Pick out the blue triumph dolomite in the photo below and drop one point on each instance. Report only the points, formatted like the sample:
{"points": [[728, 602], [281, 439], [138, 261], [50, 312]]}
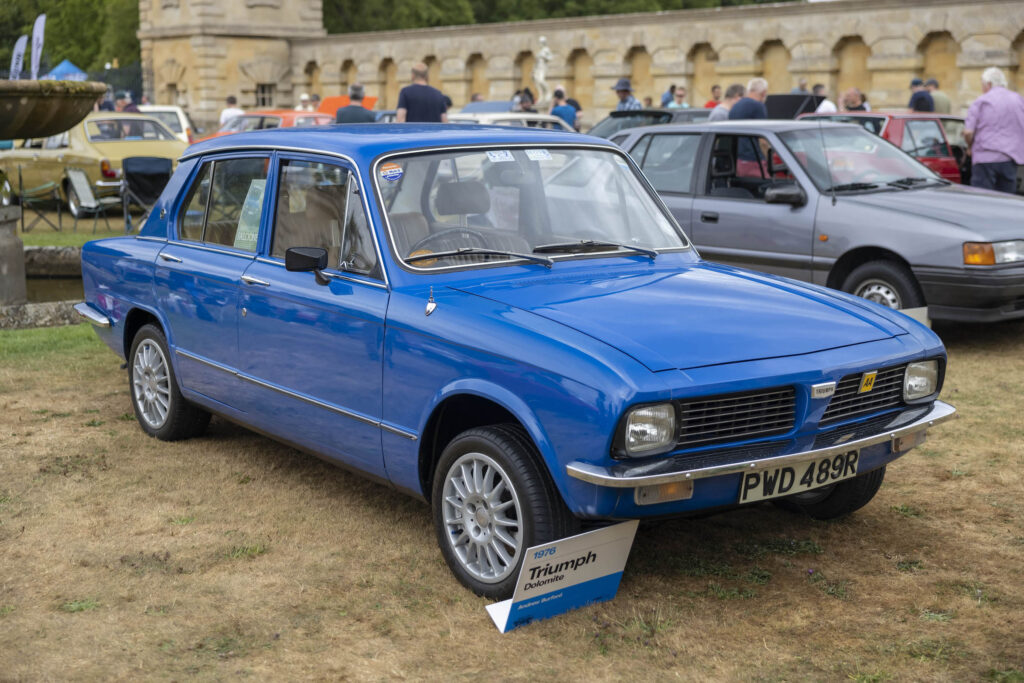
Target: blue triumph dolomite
{"points": [[506, 323]]}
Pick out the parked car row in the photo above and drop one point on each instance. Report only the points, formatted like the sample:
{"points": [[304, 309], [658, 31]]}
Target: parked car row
{"points": [[511, 325]]}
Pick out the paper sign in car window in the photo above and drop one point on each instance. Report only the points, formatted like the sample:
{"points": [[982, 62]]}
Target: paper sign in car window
{"points": [[538, 155], [496, 155], [249, 220]]}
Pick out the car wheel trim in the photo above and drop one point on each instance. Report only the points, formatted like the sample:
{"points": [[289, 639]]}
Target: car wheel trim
{"points": [[73, 201], [482, 515], [6, 193], [881, 292], [152, 383]]}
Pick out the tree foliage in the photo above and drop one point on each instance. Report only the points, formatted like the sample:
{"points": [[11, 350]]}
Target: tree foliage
{"points": [[87, 32]]}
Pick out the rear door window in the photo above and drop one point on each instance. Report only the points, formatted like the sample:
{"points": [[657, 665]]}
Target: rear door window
{"points": [[225, 203], [924, 138], [669, 160]]}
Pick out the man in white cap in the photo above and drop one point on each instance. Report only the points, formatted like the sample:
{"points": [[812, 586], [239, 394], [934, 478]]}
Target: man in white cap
{"points": [[303, 104], [626, 100]]}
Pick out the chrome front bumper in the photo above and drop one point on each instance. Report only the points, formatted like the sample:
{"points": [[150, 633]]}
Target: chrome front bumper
{"points": [[654, 474]]}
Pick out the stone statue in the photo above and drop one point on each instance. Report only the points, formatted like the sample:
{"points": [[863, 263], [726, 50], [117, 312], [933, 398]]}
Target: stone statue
{"points": [[540, 72]]}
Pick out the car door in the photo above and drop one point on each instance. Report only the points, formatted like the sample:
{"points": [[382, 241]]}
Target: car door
{"points": [[732, 223], [199, 273], [669, 160], [925, 140], [312, 347]]}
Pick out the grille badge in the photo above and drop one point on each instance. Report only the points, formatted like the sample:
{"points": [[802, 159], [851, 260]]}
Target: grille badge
{"points": [[823, 390], [867, 381]]}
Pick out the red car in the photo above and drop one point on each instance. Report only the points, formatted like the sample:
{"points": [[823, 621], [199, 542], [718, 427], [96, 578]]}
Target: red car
{"points": [[271, 118], [936, 140]]}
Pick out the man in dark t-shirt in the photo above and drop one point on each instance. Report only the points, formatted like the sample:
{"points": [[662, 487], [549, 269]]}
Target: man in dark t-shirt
{"points": [[355, 112], [921, 99], [420, 103], [751, 106]]}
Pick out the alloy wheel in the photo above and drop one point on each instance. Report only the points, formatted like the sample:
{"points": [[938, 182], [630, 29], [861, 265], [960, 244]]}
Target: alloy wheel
{"points": [[151, 383]]}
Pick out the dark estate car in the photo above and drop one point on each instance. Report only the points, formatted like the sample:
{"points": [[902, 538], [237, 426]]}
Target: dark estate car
{"points": [[835, 205], [506, 323], [619, 121]]}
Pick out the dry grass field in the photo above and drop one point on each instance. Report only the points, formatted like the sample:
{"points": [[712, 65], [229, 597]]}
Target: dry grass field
{"points": [[231, 556]]}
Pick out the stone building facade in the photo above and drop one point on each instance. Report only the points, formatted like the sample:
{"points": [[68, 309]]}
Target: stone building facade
{"points": [[196, 52]]}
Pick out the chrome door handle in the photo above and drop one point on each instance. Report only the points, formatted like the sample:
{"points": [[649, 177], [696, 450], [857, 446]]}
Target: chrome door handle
{"points": [[250, 280], [168, 257]]}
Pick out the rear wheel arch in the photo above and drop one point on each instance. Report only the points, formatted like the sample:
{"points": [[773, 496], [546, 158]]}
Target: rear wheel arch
{"points": [[855, 258], [134, 321]]}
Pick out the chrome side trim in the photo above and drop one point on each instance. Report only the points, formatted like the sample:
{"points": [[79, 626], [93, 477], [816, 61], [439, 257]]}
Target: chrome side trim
{"points": [[602, 476], [309, 400], [92, 315], [203, 247], [400, 432], [147, 238], [412, 436]]}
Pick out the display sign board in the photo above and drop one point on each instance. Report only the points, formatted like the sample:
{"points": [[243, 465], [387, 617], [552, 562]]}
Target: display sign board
{"points": [[567, 574]]}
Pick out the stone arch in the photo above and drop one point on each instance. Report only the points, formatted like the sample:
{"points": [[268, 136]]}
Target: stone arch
{"points": [[434, 72], [774, 59], [311, 74], [939, 52], [476, 75], [580, 80], [639, 62], [387, 76], [349, 75], [702, 60], [851, 57], [523, 71]]}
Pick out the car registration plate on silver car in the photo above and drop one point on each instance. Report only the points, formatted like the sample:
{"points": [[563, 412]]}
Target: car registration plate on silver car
{"points": [[790, 479]]}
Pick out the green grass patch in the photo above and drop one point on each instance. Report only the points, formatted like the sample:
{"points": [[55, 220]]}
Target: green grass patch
{"points": [[907, 510], [929, 649], [834, 588], [182, 521], [68, 238], [778, 546], [247, 551], [79, 605], [937, 615], [47, 341], [5, 610], [909, 566], [1004, 675]]}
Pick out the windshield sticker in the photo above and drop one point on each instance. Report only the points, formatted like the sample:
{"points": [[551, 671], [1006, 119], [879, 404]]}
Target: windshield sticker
{"points": [[496, 155], [391, 172], [538, 155]]}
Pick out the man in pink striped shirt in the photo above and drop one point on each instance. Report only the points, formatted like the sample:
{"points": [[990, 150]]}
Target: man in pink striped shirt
{"points": [[995, 132]]}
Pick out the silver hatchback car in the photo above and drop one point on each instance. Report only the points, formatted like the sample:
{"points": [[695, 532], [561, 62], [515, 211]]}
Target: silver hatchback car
{"points": [[834, 205]]}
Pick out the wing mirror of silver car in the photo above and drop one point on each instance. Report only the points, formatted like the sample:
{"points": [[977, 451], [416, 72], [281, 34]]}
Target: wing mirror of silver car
{"points": [[789, 193], [305, 259]]}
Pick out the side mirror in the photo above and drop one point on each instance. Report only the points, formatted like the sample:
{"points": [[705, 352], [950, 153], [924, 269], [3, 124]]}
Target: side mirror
{"points": [[305, 259], [790, 193]]}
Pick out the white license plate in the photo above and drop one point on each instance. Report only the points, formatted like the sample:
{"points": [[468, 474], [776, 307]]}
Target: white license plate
{"points": [[790, 479]]}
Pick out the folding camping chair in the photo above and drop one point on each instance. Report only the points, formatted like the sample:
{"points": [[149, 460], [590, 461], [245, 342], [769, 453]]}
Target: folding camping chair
{"points": [[34, 197], [142, 181], [88, 203]]}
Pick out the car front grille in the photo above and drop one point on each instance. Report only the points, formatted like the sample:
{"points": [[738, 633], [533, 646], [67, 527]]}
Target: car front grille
{"points": [[736, 417], [848, 403]]}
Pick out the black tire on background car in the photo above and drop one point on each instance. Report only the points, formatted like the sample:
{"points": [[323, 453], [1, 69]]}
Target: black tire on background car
{"points": [[159, 406], [838, 499], [491, 501], [885, 282]]}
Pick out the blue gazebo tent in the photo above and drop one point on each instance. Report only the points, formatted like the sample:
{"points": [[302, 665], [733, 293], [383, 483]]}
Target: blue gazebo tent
{"points": [[66, 71]]}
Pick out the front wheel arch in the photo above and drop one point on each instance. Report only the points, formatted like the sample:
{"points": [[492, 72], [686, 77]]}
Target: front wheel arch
{"points": [[855, 258]]}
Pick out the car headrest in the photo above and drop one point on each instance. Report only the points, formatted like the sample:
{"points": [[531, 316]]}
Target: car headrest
{"points": [[463, 198], [722, 166]]}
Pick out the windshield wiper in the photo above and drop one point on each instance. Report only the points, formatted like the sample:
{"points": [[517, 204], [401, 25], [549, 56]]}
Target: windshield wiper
{"points": [[587, 246], [911, 181], [846, 187], [470, 251]]}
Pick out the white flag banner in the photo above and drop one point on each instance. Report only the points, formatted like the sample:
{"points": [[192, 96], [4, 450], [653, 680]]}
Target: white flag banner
{"points": [[37, 44], [18, 58]]}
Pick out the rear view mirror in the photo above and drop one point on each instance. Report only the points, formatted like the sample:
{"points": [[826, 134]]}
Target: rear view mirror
{"points": [[790, 193], [305, 259]]}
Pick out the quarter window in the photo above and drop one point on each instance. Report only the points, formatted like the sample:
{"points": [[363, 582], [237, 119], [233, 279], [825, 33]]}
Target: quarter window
{"points": [[227, 209], [745, 167], [319, 205]]}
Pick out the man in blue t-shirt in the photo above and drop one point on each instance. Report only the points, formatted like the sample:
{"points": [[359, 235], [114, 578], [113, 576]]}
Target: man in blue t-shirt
{"points": [[751, 106], [921, 99], [419, 102], [562, 109]]}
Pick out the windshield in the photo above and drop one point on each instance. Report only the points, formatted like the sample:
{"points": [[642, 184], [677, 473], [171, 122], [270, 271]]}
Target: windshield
{"points": [[168, 118], [613, 124], [854, 157], [519, 202], [116, 129]]}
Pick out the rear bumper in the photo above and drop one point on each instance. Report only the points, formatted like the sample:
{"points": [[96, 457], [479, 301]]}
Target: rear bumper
{"points": [[978, 294], [907, 423]]}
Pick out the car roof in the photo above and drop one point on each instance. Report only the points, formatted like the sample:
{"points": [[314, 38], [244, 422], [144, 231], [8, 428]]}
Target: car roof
{"points": [[366, 141], [885, 114], [117, 115], [744, 126], [159, 107]]}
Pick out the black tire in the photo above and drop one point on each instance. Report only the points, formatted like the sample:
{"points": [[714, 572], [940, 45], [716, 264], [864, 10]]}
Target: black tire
{"points": [[540, 515], [885, 282], [839, 499], [151, 388]]}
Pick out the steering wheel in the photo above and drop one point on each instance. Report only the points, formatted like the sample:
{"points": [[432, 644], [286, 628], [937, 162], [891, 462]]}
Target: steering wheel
{"points": [[437, 236]]}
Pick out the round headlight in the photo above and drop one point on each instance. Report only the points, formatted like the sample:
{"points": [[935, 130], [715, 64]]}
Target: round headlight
{"points": [[650, 429], [920, 380]]}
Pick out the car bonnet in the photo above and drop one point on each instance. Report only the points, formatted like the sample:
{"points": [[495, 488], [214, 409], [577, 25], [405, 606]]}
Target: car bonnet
{"points": [[696, 316]]}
